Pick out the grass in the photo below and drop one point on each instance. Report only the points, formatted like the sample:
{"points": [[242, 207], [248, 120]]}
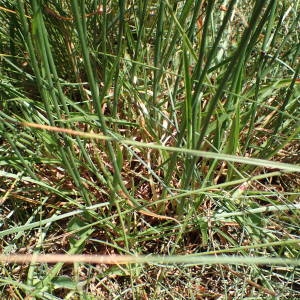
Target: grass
{"points": [[149, 149]]}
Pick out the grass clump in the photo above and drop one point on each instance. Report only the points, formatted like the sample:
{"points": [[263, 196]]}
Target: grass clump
{"points": [[160, 128]]}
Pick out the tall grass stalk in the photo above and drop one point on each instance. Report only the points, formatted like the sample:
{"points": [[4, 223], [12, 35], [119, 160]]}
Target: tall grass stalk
{"points": [[150, 129]]}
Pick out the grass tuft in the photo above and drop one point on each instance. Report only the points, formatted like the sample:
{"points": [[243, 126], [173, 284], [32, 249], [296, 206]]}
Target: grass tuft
{"points": [[149, 149]]}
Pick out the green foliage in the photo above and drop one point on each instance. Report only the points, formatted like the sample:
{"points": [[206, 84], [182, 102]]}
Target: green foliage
{"points": [[192, 110]]}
